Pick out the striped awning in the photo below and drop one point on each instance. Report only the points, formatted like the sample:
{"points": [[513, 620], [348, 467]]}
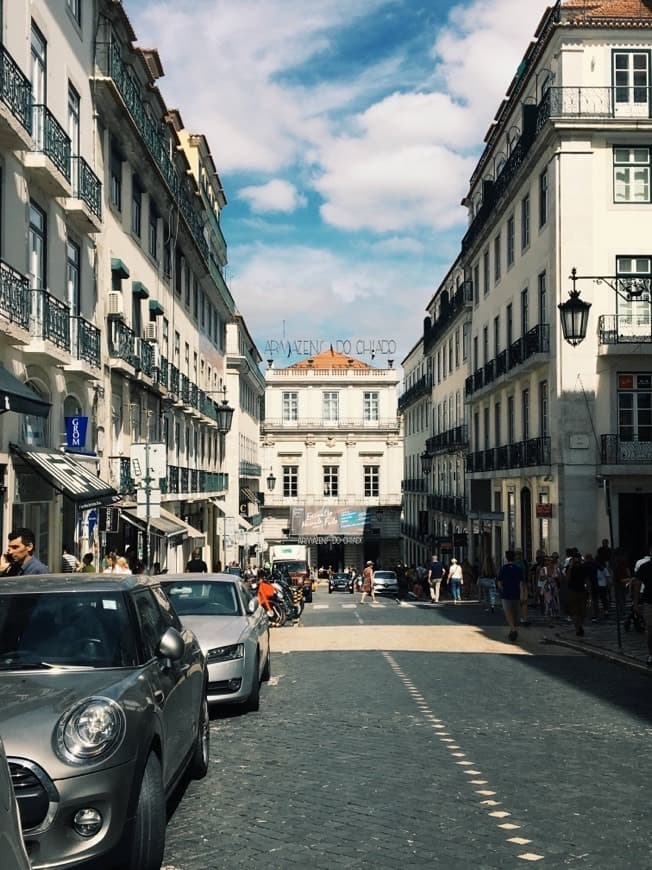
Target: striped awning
{"points": [[68, 476]]}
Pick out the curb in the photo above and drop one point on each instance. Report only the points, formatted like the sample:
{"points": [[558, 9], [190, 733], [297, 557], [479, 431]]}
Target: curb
{"points": [[600, 653]]}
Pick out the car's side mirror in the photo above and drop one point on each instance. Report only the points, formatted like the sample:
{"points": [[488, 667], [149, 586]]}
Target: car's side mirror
{"points": [[253, 605], [171, 645]]}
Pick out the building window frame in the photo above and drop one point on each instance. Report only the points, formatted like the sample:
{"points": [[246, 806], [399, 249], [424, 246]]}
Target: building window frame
{"points": [[631, 172], [290, 481], [331, 480], [371, 481], [290, 406]]}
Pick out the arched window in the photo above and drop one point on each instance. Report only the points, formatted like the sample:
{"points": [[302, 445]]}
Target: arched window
{"points": [[36, 430]]}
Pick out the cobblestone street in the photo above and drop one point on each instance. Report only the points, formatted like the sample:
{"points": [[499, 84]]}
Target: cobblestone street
{"points": [[406, 736]]}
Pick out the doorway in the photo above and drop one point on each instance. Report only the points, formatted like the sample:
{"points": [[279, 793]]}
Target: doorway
{"points": [[526, 523]]}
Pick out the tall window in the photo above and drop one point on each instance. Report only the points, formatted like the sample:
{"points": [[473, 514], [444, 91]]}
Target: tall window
{"points": [[543, 298], [509, 337], [331, 481], [635, 407], [73, 121], [450, 354], [525, 413], [496, 335], [330, 407], [136, 207], [511, 240], [115, 175], [39, 79], [485, 345], [37, 246], [457, 348], [543, 198], [186, 283], [166, 337], [371, 407], [177, 348], [152, 231], [525, 222], [633, 313], [511, 420], [485, 272], [497, 425], [290, 407], [167, 252], [486, 427], [466, 331], [631, 174], [371, 480], [543, 408], [75, 9], [476, 283], [525, 312], [631, 81], [73, 261], [497, 259], [476, 361], [290, 481]]}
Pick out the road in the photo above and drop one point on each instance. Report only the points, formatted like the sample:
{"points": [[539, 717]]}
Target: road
{"points": [[408, 737]]}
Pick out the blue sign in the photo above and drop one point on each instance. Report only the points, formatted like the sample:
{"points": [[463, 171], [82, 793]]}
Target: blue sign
{"points": [[92, 522], [76, 428]]}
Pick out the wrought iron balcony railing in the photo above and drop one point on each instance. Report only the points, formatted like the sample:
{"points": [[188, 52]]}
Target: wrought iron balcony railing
{"points": [[413, 484], [146, 357], [619, 450], [50, 138], [14, 295], [390, 423], [589, 103], [448, 504], [462, 298], [536, 340], [174, 379], [421, 388], [86, 185], [625, 328], [122, 342], [127, 484], [162, 372], [50, 319], [451, 439], [520, 454], [85, 341], [250, 469], [15, 90]]}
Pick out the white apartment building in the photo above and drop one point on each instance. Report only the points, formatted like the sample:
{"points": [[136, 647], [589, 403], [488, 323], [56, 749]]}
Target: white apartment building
{"points": [[333, 448], [561, 436], [113, 303]]}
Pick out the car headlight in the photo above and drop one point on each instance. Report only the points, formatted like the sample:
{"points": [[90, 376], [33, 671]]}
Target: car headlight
{"points": [[90, 731], [225, 653]]}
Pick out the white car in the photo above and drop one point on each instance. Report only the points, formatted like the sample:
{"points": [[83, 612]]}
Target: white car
{"points": [[386, 581], [232, 629]]}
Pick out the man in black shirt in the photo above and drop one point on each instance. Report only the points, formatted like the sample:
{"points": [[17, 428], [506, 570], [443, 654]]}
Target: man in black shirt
{"points": [[642, 592], [197, 565]]}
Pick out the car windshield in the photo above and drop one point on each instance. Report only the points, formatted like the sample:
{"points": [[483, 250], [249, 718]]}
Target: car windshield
{"points": [[340, 576], [384, 575], [67, 629], [201, 598], [290, 567]]}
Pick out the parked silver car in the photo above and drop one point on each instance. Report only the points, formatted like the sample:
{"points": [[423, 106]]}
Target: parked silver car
{"points": [[103, 711], [386, 581], [233, 631], [12, 848]]}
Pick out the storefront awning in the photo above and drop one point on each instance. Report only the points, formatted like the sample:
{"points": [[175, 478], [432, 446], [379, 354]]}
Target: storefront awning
{"points": [[164, 526], [244, 524], [68, 476], [16, 396], [247, 494], [218, 505]]}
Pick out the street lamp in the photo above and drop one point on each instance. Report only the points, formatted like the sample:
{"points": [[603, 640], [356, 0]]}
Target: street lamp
{"points": [[271, 480], [574, 312], [426, 462], [224, 415]]}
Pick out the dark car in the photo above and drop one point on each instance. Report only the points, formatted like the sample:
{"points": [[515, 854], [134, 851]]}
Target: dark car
{"points": [[103, 712], [340, 581]]}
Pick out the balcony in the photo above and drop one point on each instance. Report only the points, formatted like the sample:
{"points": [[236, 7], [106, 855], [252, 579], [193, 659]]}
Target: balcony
{"points": [[250, 469], [452, 505], [460, 300], [161, 373], [49, 163], [14, 305], [413, 484], [150, 131], [620, 451], [521, 353], [521, 454], [146, 357], [618, 332], [126, 483], [49, 326], [122, 346], [451, 440], [421, 388], [84, 208], [174, 380], [594, 104], [15, 105], [85, 347], [391, 424]]}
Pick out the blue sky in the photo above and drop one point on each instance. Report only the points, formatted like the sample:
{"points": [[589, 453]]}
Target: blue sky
{"points": [[345, 133]]}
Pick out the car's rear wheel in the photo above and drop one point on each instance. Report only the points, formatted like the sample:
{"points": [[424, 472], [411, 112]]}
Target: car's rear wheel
{"points": [[148, 836], [200, 759]]}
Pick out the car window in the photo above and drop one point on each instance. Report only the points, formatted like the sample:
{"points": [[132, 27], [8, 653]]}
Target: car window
{"points": [[152, 622], [167, 610], [81, 629], [203, 598]]}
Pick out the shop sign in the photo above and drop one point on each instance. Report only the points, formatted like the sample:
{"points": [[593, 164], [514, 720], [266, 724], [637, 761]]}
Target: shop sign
{"points": [[543, 511]]}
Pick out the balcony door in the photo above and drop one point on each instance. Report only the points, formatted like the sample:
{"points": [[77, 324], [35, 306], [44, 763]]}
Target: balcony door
{"points": [[633, 314], [631, 84], [38, 77]]}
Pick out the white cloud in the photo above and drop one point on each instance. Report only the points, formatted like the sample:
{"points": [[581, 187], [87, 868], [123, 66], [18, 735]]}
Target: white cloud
{"points": [[275, 196], [398, 245]]}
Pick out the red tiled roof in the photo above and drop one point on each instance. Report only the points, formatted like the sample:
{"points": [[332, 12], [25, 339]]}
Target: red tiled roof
{"points": [[601, 9], [330, 359]]}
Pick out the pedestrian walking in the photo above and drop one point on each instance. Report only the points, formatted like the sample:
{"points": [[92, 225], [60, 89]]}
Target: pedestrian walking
{"points": [[510, 581], [642, 594], [551, 590], [456, 579], [19, 557], [196, 565], [487, 584], [525, 588], [69, 563], [368, 583], [436, 573], [577, 592]]}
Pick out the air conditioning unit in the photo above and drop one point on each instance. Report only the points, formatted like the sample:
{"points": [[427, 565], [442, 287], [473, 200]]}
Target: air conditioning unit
{"points": [[150, 331], [116, 304]]}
